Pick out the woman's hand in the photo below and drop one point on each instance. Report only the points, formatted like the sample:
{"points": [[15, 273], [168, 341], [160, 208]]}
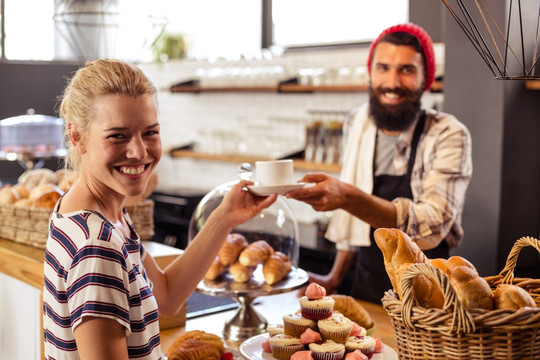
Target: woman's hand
{"points": [[240, 205]]}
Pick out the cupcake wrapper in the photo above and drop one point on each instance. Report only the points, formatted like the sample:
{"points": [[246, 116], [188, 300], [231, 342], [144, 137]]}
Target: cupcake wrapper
{"points": [[316, 314], [296, 330], [284, 352], [337, 336], [328, 356]]}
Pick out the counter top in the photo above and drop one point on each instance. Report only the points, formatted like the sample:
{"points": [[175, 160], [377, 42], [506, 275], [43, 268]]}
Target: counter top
{"points": [[25, 263]]}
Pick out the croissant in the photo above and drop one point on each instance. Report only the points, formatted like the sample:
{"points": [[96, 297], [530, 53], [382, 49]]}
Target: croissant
{"points": [[215, 270], [353, 310], [276, 267], [207, 338], [231, 249], [241, 273], [256, 253], [192, 349]]}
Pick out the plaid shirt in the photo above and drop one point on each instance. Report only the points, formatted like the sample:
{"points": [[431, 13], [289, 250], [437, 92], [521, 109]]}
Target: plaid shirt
{"points": [[439, 180]]}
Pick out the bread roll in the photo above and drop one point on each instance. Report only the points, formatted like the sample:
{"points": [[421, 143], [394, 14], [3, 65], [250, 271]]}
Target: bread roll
{"points": [[33, 178], [208, 338], [11, 194], [45, 195], [439, 263], [456, 261], [472, 290], [196, 345], [231, 249], [215, 270], [256, 253], [353, 310], [241, 273], [276, 267], [513, 297]]}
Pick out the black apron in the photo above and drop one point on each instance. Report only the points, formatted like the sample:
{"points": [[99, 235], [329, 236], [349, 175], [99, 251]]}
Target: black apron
{"points": [[370, 279]]}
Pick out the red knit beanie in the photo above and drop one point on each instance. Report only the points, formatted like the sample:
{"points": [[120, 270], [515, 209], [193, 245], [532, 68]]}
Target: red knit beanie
{"points": [[425, 42]]}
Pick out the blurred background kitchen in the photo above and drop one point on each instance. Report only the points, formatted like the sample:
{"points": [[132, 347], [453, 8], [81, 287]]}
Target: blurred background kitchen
{"points": [[243, 80]]}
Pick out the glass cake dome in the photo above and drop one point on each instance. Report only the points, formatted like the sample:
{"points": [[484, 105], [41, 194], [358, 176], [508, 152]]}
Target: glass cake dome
{"points": [[275, 224]]}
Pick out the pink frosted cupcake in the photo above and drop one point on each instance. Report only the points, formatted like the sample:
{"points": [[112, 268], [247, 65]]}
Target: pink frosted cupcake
{"points": [[366, 344], [315, 304], [336, 328], [295, 324], [283, 346], [327, 350], [309, 336]]}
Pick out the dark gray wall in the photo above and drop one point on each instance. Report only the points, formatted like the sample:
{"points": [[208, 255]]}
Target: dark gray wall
{"points": [[503, 199]]}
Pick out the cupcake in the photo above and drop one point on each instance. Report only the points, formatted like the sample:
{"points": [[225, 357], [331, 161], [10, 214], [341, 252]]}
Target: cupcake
{"points": [[283, 346], [327, 350], [309, 336], [274, 329], [358, 330], [315, 304], [295, 324], [366, 344], [336, 328]]}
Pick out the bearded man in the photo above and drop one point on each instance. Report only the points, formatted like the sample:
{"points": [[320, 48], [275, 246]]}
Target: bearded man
{"points": [[404, 167]]}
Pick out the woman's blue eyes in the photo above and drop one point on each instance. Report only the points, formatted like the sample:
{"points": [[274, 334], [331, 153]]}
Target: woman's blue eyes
{"points": [[122, 136]]}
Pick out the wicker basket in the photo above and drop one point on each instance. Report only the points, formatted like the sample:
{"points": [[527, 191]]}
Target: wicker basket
{"points": [[29, 225], [457, 333]]}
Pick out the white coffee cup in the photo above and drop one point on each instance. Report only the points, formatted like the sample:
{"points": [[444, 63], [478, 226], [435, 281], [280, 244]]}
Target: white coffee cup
{"points": [[274, 172]]}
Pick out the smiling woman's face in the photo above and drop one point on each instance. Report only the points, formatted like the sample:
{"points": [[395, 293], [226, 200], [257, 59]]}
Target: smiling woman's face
{"points": [[123, 144]]}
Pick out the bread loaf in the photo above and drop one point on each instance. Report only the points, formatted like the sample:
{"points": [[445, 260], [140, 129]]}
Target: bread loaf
{"points": [[399, 252], [456, 261], [195, 345], [513, 297], [472, 290], [255, 253], [352, 309], [231, 249], [276, 267]]}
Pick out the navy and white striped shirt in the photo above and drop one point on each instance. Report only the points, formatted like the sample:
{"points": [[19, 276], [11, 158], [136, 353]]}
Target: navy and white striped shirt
{"points": [[91, 269]]}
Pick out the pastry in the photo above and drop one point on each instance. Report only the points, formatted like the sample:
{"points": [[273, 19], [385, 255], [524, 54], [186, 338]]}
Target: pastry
{"points": [[366, 344], [336, 328], [327, 350], [255, 253], [315, 304], [352, 309], [509, 296], [45, 195], [472, 290], [215, 270], [276, 267], [231, 249], [295, 324], [32, 178], [192, 349], [283, 346], [241, 273], [11, 194], [207, 338]]}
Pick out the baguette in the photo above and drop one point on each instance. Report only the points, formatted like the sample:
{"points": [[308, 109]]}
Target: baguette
{"points": [[276, 267], [255, 253], [231, 249]]}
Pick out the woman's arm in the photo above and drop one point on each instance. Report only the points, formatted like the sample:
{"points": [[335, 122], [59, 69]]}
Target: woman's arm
{"points": [[100, 338]]}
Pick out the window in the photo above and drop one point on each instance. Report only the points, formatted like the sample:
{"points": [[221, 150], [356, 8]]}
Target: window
{"points": [[213, 28], [322, 22]]}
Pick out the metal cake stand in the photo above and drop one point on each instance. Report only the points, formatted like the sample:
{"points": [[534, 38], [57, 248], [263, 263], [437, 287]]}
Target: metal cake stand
{"points": [[247, 322]]}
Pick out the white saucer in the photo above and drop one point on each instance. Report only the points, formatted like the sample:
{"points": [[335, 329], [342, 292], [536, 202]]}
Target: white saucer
{"points": [[262, 190]]}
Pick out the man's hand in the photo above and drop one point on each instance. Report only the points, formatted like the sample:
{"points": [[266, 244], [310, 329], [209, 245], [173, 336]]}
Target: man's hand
{"points": [[328, 193]]}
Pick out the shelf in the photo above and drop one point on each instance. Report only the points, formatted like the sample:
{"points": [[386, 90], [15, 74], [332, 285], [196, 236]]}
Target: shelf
{"points": [[298, 163], [192, 86], [532, 84]]}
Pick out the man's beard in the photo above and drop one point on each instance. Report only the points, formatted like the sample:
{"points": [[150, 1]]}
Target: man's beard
{"points": [[394, 117]]}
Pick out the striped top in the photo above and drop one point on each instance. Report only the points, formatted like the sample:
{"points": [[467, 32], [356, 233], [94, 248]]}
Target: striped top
{"points": [[92, 269]]}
